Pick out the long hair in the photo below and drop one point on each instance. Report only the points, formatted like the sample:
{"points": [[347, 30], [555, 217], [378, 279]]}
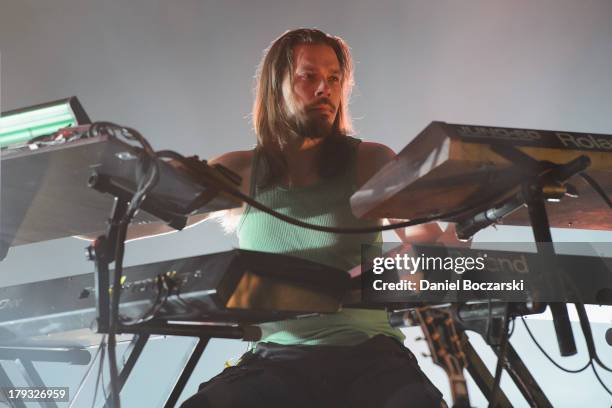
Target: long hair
{"points": [[271, 122]]}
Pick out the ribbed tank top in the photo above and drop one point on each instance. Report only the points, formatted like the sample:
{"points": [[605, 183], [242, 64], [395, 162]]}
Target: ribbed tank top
{"points": [[323, 203]]}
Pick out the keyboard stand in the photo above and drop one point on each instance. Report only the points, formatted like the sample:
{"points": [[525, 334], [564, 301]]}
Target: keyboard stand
{"points": [[24, 358]]}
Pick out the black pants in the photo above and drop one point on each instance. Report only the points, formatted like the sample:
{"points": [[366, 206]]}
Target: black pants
{"points": [[379, 373]]}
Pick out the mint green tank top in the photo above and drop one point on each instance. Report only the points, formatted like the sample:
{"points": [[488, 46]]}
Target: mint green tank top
{"points": [[324, 203]]}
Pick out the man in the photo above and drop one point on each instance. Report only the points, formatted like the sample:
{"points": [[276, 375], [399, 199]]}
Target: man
{"points": [[305, 165]]}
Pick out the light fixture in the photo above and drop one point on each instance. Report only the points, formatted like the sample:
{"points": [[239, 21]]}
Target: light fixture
{"points": [[19, 126]]}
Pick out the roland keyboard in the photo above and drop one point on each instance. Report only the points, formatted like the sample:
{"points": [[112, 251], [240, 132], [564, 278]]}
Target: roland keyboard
{"points": [[448, 167]]}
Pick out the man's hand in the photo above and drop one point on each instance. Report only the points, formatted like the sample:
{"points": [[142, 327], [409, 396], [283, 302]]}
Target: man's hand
{"points": [[419, 233], [449, 237]]}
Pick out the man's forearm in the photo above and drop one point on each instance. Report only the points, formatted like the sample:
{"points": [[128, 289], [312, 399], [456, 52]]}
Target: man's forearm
{"points": [[139, 231]]}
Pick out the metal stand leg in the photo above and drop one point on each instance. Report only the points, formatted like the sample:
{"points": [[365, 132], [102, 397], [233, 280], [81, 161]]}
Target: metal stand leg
{"points": [[543, 238], [523, 379], [186, 373], [482, 377], [33, 379], [99, 357], [136, 345], [23, 358], [55, 355], [6, 382]]}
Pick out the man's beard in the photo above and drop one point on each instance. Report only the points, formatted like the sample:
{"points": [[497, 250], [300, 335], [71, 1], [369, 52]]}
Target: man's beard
{"points": [[313, 126], [310, 123]]}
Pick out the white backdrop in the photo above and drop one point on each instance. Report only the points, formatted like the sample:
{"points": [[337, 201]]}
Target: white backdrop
{"points": [[182, 73]]}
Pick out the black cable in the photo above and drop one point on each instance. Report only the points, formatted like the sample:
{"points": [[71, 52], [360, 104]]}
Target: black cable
{"points": [[100, 369], [255, 204], [114, 315], [154, 175], [600, 380], [149, 163], [153, 309], [595, 186], [582, 315], [134, 135], [150, 167], [512, 319], [164, 280], [335, 230], [187, 305], [165, 285], [585, 326], [191, 306], [147, 180], [501, 356], [451, 214], [104, 386], [588, 336], [86, 375], [567, 370], [137, 199]]}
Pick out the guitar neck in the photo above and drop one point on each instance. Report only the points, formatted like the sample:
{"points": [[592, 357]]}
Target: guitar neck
{"points": [[457, 382]]}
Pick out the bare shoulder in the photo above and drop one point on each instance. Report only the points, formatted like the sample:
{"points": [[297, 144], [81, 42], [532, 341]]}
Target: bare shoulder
{"points": [[375, 150], [371, 157], [238, 161]]}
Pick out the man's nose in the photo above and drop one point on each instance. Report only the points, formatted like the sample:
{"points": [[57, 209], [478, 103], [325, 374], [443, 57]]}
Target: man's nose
{"points": [[323, 89]]}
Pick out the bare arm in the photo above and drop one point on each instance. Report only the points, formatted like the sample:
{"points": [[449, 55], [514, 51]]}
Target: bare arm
{"points": [[139, 231], [372, 158], [238, 162]]}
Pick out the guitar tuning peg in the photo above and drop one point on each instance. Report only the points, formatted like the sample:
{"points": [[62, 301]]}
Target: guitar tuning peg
{"points": [[419, 338], [427, 355]]}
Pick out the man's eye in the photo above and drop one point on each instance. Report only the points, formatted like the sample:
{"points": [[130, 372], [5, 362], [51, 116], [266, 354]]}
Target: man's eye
{"points": [[334, 79]]}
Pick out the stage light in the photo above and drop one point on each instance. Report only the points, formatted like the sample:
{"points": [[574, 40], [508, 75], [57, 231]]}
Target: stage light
{"points": [[19, 126]]}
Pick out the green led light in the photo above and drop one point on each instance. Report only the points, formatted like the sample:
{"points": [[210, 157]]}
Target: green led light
{"points": [[23, 126]]}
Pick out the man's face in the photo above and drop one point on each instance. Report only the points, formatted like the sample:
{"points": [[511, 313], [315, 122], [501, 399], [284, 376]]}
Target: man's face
{"points": [[313, 98]]}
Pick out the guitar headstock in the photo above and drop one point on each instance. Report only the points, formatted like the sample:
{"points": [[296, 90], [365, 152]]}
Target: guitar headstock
{"points": [[446, 347], [441, 335]]}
